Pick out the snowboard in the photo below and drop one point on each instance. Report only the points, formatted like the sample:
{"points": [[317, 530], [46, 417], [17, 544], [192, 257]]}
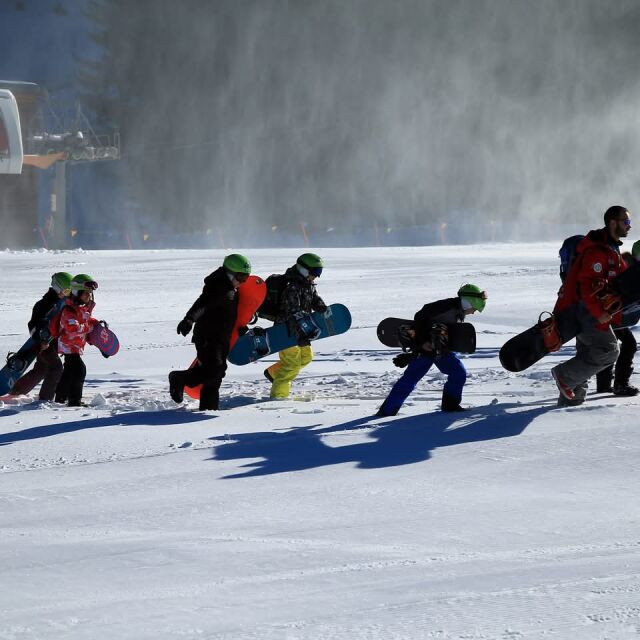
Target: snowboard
{"points": [[19, 362], [525, 349], [257, 344], [104, 339], [398, 332], [251, 295]]}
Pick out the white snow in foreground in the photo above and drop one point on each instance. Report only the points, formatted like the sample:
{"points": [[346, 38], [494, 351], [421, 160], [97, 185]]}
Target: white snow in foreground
{"points": [[136, 518]]}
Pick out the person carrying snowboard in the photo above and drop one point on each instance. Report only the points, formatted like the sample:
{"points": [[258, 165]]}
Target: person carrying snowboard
{"points": [[298, 298], [430, 347], [48, 366], [606, 381], [71, 327], [214, 316], [597, 262]]}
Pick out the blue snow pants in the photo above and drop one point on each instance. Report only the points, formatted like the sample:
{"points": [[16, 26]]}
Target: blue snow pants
{"points": [[449, 364]]}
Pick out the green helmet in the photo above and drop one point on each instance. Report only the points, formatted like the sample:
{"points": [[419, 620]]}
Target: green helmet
{"points": [[83, 282], [635, 250], [474, 295], [61, 282], [311, 262], [236, 263]]}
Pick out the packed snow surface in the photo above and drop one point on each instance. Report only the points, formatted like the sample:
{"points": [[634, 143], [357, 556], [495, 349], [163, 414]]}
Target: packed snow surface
{"points": [[136, 518]]}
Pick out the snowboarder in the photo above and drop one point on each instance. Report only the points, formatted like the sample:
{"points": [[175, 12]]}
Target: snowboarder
{"points": [[48, 366], [214, 316], [297, 299], [597, 261], [71, 327], [606, 382], [430, 348]]}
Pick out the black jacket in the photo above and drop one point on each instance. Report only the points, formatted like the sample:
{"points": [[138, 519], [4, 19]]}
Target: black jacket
{"points": [[215, 311], [299, 295], [41, 308], [447, 311]]}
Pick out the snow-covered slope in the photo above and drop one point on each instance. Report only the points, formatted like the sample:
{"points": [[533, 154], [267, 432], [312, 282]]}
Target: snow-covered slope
{"points": [[308, 518]]}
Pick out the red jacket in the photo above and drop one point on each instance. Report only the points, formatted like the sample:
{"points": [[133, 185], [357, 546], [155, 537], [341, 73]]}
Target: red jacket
{"points": [[72, 325], [597, 262]]}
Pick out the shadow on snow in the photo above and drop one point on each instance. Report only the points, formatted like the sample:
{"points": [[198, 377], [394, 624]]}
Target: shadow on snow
{"points": [[134, 418], [397, 441]]}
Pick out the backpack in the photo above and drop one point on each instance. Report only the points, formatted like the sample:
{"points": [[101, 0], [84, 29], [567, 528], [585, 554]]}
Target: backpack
{"points": [[270, 308], [567, 254]]}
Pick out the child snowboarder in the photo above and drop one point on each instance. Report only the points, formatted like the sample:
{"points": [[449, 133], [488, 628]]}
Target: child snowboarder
{"points": [[214, 315], [430, 348], [48, 366], [71, 327], [298, 298]]}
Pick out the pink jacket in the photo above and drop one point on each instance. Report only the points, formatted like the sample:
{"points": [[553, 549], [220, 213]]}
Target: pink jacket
{"points": [[72, 325]]}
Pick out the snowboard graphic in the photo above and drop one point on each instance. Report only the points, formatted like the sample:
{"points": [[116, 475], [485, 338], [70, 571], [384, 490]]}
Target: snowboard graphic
{"points": [[104, 339], [525, 349], [257, 344], [398, 332], [18, 362], [251, 295]]}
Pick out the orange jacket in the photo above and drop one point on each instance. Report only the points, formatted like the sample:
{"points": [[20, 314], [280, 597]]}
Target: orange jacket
{"points": [[597, 262]]}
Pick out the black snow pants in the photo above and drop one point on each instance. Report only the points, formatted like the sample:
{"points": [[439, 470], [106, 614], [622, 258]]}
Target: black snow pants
{"points": [[72, 382], [209, 372]]}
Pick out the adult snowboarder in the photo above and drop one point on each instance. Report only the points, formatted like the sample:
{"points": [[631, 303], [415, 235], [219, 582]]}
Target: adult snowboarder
{"points": [[71, 327], [606, 382], [297, 299], [48, 366], [431, 348], [214, 316], [597, 262]]}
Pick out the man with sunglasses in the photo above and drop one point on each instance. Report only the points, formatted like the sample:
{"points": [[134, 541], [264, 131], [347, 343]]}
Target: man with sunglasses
{"points": [[598, 261], [298, 299], [214, 316]]}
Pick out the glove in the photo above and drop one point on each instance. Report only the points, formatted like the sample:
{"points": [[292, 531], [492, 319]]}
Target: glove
{"points": [[403, 359], [258, 331], [242, 330], [184, 326]]}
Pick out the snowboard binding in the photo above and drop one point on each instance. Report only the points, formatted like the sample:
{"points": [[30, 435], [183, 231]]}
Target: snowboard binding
{"points": [[550, 332]]}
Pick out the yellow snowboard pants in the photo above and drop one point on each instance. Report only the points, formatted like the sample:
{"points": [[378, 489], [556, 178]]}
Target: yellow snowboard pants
{"points": [[292, 360]]}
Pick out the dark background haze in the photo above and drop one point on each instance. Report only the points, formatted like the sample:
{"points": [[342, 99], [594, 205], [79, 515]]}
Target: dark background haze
{"points": [[342, 114]]}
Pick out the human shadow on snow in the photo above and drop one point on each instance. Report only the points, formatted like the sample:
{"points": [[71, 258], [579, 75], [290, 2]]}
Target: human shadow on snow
{"points": [[397, 441], [133, 418]]}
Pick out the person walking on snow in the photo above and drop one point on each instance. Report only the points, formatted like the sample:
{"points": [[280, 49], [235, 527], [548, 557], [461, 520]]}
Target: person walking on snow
{"points": [[624, 364], [298, 298], [214, 316], [430, 348], [598, 261], [71, 327], [48, 366]]}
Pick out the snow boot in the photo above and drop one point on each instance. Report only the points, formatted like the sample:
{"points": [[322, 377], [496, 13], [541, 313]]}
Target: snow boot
{"points": [[176, 386], [450, 404], [625, 389]]}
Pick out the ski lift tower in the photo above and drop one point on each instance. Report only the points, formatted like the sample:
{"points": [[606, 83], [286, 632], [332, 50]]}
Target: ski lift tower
{"points": [[49, 135], [75, 142]]}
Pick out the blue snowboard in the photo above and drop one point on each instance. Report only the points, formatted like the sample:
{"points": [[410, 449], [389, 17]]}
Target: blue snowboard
{"points": [[18, 362], [253, 346]]}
